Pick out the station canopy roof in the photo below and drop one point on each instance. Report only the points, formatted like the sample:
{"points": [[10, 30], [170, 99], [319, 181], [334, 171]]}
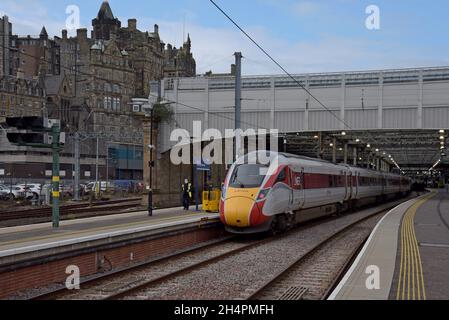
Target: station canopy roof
{"points": [[411, 150]]}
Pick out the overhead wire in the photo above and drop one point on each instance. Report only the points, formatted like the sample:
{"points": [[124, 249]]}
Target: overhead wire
{"points": [[345, 124]]}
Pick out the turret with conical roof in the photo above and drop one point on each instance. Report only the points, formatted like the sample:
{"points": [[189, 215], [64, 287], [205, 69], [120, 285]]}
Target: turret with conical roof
{"points": [[43, 34], [105, 23], [105, 12]]}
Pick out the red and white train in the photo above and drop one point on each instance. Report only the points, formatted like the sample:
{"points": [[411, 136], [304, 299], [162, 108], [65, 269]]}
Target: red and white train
{"points": [[291, 189]]}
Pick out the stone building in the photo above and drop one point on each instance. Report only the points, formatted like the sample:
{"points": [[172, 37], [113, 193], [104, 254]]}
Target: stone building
{"points": [[179, 63], [112, 66], [89, 81], [5, 45], [35, 55], [20, 96], [59, 97]]}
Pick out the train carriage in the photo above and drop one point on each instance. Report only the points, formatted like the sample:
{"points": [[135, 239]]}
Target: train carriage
{"points": [[274, 191]]}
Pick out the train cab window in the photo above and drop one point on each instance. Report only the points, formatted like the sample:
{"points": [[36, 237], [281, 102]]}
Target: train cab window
{"points": [[248, 176], [282, 175]]}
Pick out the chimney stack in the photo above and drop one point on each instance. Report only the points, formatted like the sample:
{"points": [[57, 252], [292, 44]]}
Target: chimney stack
{"points": [[64, 34], [132, 24], [156, 29], [81, 34]]}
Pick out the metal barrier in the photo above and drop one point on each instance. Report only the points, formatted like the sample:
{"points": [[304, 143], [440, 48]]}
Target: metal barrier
{"points": [[211, 200]]}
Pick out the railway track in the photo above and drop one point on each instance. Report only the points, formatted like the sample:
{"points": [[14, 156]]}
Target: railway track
{"points": [[313, 275], [68, 210], [197, 273], [113, 284]]}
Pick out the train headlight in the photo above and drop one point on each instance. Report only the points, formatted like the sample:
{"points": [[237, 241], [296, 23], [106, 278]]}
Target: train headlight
{"points": [[263, 194]]}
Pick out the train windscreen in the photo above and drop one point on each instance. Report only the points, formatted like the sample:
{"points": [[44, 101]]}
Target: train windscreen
{"points": [[248, 176]]}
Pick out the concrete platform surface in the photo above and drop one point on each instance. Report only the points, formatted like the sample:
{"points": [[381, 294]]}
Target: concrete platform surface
{"points": [[372, 275], [432, 234]]}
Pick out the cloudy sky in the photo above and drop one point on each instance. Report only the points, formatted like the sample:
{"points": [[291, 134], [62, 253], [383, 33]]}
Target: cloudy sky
{"points": [[304, 35]]}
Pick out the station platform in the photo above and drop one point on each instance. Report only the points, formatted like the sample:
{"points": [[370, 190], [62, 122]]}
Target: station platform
{"points": [[406, 257], [33, 241]]}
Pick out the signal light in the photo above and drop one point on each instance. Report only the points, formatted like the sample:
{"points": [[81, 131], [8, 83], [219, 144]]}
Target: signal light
{"points": [[23, 123], [26, 138]]}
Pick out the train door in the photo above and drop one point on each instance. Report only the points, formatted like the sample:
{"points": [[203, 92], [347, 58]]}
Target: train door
{"points": [[303, 189], [290, 183], [297, 185], [350, 187], [356, 184], [346, 184]]}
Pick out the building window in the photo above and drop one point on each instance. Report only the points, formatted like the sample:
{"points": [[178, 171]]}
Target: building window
{"points": [[107, 87]]}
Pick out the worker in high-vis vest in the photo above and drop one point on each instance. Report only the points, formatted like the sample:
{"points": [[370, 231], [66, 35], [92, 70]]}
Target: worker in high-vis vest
{"points": [[186, 194]]}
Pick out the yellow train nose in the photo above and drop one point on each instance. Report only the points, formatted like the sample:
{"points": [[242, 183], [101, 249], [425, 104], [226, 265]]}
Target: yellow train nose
{"points": [[238, 211]]}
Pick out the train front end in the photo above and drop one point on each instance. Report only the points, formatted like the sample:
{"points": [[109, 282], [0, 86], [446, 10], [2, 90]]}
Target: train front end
{"points": [[243, 199]]}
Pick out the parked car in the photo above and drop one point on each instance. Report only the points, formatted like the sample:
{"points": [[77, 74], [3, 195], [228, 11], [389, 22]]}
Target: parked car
{"points": [[5, 193], [104, 185], [66, 190], [17, 192], [33, 190]]}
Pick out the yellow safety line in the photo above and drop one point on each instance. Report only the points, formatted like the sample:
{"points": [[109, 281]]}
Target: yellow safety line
{"points": [[417, 264], [409, 259], [401, 272], [411, 275], [401, 266], [87, 231]]}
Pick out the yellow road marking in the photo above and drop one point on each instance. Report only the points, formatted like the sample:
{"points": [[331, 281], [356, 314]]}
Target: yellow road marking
{"points": [[411, 275], [109, 228]]}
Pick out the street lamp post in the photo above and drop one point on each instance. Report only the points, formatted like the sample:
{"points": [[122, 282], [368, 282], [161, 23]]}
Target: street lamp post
{"points": [[150, 191], [146, 109]]}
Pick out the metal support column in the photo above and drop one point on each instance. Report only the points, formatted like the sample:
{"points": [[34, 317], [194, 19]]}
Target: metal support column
{"points": [[76, 187], [55, 133], [97, 160], [346, 154], [320, 146], [150, 191], [334, 151], [197, 197], [238, 102]]}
